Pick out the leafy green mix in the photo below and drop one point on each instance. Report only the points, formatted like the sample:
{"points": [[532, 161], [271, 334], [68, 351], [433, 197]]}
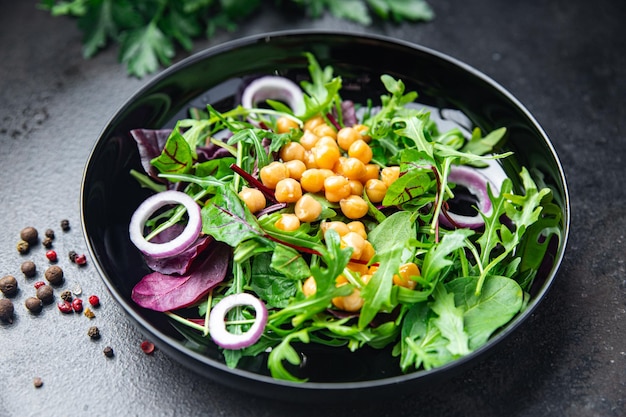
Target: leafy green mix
{"points": [[471, 284], [148, 31]]}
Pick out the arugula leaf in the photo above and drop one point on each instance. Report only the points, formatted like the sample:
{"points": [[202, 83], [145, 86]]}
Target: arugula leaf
{"points": [[322, 90], [449, 320]]}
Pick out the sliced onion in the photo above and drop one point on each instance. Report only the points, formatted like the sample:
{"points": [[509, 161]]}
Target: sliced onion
{"points": [[181, 242], [476, 183], [274, 88], [217, 323]]}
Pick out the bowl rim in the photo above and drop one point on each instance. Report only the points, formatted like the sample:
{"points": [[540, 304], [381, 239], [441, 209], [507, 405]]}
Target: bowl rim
{"points": [[175, 344]]}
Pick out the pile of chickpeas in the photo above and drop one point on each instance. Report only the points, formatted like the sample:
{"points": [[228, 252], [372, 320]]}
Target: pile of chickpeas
{"points": [[335, 164]]}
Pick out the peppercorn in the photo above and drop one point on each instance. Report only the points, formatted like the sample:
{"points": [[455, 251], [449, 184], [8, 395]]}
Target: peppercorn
{"points": [[66, 295], [108, 352], [72, 255], [28, 268], [93, 332], [45, 293], [23, 246], [37, 382], [47, 242], [49, 233], [94, 300], [33, 304], [30, 235], [6, 310], [65, 225], [64, 307], [147, 347], [77, 305], [80, 259], [51, 255], [54, 275], [8, 285]]}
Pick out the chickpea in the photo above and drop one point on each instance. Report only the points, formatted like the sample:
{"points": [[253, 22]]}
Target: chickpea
{"points": [[367, 253], [288, 222], [357, 227], [295, 168], [340, 227], [325, 130], [326, 155], [292, 151], [375, 190], [288, 190], [353, 168], [312, 180], [253, 198], [272, 173], [336, 187], [353, 207], [352, 302], [361, 151], [356, 187], [405, 272], [362, 129], [357, 267], [355, 241], [308, 140], [371, 172], [389, 174], [327, 141], [307, 208], [286, 124], [309, 160], [309, 287], [313, 122], [347, 136]]}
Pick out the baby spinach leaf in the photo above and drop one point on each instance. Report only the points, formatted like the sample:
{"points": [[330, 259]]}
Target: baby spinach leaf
{"points": [[290, 263], [269, 284], [394, 230], [501, 298]]}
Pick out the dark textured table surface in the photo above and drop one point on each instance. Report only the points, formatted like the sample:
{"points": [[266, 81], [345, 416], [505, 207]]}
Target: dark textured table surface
{"points": [[564, 59]]}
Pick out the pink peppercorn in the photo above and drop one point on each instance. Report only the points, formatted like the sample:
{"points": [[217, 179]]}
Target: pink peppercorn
{"points": [[65, 307], [77, 305], [51, 255], [94, 300]]}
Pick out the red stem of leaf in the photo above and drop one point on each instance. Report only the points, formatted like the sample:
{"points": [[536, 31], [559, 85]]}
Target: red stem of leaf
{"points": [[269, 193]]}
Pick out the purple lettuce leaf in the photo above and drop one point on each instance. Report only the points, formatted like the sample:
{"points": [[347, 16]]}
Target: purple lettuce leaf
{"points": [[162, 292], [180, 263], [150, 143]]}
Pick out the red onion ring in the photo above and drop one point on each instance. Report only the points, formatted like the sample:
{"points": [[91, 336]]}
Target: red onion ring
{"points": [[476, 183], [180, 242], [275, 88], [217, 324]]}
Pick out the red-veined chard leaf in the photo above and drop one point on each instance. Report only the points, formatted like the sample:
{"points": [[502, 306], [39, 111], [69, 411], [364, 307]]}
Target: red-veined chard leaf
{"points": [[180, 263], [177, 156], [150, 144], [228, 220]]}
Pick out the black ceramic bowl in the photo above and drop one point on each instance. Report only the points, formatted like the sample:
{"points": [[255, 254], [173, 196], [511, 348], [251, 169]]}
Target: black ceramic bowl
{"points": [[459, 94]]}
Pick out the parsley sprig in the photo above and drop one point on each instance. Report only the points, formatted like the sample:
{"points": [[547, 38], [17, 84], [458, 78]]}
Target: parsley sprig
{"points": [[149, 32]]}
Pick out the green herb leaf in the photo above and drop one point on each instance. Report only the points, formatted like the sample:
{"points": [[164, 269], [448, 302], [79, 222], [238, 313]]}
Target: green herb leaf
{"points": [[143, 50]]}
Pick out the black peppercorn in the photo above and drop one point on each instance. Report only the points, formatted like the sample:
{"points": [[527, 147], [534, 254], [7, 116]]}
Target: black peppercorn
{"points": [[45, 293], [54, 274], [46, 242], [65, 225], [49, 233], [8, 285], [29, 234], [23, 246], [66, 295], [33, 304], [93, 332], [6, 310], [28, 268], [72, 255], [108, 352]]}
